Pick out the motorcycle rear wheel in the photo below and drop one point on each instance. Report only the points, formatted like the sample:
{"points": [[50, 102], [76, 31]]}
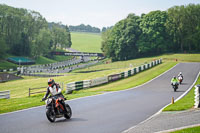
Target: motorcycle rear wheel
{"points": [[174, 89], [68, 115]]}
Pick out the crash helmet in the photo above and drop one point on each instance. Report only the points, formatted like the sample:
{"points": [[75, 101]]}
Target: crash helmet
{"points": [[51, 82], [174, 77], [180, 73]]}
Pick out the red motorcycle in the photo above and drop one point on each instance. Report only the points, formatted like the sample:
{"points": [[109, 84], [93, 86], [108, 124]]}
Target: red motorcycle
{"points": [[180, 78]]}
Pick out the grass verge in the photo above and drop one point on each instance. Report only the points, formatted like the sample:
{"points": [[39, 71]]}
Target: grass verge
{"points": [[19, 103], [188, 130]]}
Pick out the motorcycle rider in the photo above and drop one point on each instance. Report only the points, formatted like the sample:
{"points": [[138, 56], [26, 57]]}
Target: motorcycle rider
{"points": [[56, 93], [180, 74], [174, 80]]}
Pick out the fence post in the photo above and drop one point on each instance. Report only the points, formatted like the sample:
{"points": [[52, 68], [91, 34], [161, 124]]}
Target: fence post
{"points": [[29, 92], [196, 97]]}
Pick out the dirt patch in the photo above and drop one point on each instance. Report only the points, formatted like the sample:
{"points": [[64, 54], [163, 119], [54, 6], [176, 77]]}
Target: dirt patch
{"points": [[7, 77]]}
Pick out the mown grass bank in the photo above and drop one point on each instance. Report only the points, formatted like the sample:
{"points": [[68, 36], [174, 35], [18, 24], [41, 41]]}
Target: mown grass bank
{"points": [[19, 88], [86, 42], [23, 101]]}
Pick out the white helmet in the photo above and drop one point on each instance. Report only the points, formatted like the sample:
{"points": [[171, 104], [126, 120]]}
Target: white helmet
{"points": [[180, 73]]}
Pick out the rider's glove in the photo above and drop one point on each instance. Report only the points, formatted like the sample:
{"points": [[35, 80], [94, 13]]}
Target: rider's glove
{"points": [[43, 99]]}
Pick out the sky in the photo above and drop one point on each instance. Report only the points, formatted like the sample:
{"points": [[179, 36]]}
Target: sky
{"points": [[98, 13]]}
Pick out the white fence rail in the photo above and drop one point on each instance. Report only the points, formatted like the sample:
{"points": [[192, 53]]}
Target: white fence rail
{"points": [[102, 80], [4, 94]]}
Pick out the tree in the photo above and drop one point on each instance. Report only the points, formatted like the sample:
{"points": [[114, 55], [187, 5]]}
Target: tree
{"points": [[122, 38], [60, 37], [41, 43], [84, 28], [154, 39]]}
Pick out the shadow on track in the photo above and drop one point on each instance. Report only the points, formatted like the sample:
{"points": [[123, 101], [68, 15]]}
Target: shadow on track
{"points": [[184, 84], [71, 120]]}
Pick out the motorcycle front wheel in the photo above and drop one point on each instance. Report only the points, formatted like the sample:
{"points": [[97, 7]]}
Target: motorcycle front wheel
{"points": [[68, 115], [50, 115]]}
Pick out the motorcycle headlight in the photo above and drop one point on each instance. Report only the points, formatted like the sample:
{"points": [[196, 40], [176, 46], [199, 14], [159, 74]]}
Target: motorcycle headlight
{"points": [[48, 101]]}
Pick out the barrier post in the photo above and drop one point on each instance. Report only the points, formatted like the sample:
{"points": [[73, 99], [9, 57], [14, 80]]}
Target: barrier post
{"points": [[196, 97]]}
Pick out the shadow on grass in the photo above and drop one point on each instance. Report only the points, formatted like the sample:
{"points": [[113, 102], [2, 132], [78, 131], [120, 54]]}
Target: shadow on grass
{"points": [[91, 71]]}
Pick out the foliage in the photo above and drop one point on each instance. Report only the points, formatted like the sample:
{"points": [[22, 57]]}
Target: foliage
{"points": [[153, 39], [183, 24], [84, 28], [174, 30], [119, 43], [106, 28], [26, 33]]}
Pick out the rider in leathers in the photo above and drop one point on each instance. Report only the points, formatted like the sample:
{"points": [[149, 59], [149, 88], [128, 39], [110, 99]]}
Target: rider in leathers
{"points": [[174, 80], [180, 74], [55, 91]]}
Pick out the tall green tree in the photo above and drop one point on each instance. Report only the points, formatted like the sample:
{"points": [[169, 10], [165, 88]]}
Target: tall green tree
{"points": [[41, 43], [154, 39], [122, 38]]}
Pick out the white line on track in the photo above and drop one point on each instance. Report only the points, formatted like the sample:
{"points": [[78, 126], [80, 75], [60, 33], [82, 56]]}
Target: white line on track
{"points": [[126, 131]]}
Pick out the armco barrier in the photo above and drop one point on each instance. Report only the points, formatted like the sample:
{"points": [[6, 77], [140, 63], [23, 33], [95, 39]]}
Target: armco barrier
{"points": [[98, 81], [102, 80], [4, 94], [126, 74], [114, 77], [196, 97], [122, 75], [78, 85]]}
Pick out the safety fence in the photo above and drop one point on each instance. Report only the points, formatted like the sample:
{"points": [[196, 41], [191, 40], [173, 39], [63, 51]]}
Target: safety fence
{"points": [[110, 78], [40, 89], [196, 97], [4, 94]]}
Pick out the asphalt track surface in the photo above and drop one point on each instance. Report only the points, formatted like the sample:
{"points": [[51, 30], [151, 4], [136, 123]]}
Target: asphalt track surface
{"points": [[108, 113]]}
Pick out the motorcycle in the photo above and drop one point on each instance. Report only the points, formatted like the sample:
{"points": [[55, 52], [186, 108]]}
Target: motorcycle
{"points": [[175, 86], [180, 78], [54, 108]]}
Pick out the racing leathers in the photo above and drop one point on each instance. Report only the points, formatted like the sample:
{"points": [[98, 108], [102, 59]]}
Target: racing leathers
{"points": [[56, 94], [174, 81]]}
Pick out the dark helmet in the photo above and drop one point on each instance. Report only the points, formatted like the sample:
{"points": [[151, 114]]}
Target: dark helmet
{"points": [[51, 82], [174, 77]]}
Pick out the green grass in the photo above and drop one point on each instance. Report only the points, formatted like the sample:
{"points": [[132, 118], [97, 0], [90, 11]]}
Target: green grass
{"points": [[24, 101], [86, 42], [19, 88], [182, 57], [133, 81], [44, 60], [189, 130], [187, 102], [6, 65]]}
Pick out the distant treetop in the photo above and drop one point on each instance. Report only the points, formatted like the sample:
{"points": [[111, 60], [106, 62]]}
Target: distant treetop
{"points": [[84, 28]]}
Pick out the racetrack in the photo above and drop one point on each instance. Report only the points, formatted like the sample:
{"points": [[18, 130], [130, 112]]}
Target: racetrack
{"points": [[108, 113]]}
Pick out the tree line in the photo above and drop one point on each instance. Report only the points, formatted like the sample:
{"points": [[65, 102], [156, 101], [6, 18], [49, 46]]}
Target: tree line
{"points": [[27, 33], [84, 28], [158, 32]]}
